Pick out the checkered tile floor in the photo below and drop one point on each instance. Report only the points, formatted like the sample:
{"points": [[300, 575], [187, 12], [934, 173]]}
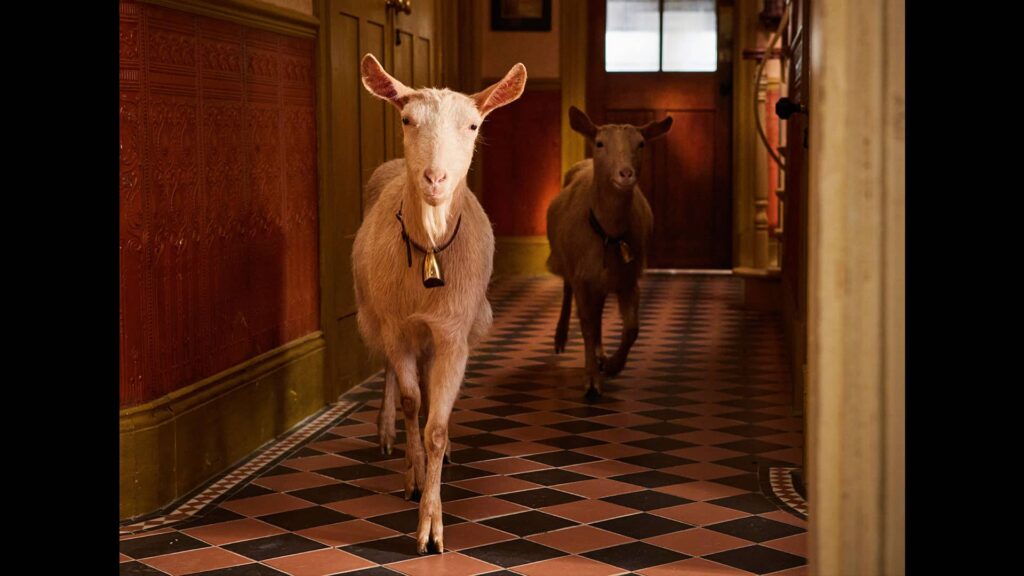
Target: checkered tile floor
{"points": [[658, 476]]}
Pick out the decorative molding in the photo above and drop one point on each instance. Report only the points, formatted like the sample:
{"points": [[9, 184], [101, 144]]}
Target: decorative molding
{"points": [[573, 42]]}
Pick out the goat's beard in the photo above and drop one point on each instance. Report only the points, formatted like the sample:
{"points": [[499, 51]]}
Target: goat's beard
{"points": [[435, 219]]}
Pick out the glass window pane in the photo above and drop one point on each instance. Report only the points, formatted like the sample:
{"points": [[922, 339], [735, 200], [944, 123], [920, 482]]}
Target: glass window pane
{"points": [[631, 36], [690, 40]]}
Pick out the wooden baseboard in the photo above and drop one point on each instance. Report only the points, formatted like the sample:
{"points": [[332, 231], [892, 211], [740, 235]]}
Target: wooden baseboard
{"points": [[520, 256], [173, 444]]}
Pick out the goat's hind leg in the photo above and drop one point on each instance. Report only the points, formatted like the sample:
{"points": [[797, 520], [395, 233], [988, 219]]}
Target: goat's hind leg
{"points": [[562, 330], [629, 304], [386, 416]]}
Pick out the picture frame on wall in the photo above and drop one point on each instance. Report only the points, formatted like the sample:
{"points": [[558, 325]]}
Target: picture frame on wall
{"points": [[521, 15]]}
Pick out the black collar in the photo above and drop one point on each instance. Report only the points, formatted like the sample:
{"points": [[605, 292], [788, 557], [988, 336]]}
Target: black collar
{"points": [[409, 242], [620, 241]]}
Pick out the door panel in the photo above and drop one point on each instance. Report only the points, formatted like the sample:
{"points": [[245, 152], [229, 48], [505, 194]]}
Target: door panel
{"points": [[687, 175]]}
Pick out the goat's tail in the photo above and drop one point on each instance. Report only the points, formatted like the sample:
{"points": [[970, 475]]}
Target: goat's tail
{"points": [[562, 331]]}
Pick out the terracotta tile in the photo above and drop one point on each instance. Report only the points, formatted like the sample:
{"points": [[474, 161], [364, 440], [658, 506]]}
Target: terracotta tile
{"points": [[369, 506], [355, 430], [541, 418], [297, 481], [345, 533], [792, 455], [693, 567], [704, 453], [266, 504], [474, 403], [701, 490], [575, 565], [196, 561], [340, 445], [618, 435], [471, 535], [310, 463], [233, 531], [795, 544], [598, 488], [612, 451], [532, 433], [707, 437], [495, 485], [509, 465], [449, 563], [785, 517], [125, 558], [385, 484], [469, 416], [697, 542], [699, 513], [579, 539], [395, 464], [481, 508], [319, 563], [521, 448], [705, 422], [589, 510], [701, 471], [605, 468]]}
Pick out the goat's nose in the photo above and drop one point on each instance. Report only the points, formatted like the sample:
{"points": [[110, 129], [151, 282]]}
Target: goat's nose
{"points": [[435, 176], [626, 172]]}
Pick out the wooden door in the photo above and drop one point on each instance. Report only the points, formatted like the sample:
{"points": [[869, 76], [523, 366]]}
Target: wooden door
{"points": [[362, 133], [686, 176]]}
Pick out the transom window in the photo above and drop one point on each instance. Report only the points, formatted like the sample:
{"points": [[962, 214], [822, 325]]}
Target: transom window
{"points": [[661, 35]]}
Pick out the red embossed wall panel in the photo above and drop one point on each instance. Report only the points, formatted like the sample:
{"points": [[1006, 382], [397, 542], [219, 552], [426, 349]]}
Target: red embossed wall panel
{"points": [[219, 223]]}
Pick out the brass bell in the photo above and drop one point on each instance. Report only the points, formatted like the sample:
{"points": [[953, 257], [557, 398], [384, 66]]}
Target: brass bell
{"points": [[627, 256], [432, 271]]}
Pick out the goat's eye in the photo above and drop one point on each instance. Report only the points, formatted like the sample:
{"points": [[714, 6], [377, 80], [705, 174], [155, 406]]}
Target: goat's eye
{"points": [[405, 121], [641, 143], [473, 126], [599, 144]]}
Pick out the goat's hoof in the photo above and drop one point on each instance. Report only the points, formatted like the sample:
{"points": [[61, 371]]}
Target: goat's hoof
{"points": [[431, 547], [593, 393], [613, 366], [414, 495], [447, 459]]}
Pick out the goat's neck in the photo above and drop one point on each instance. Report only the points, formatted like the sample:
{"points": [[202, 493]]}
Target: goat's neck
{"points": [[426, 224], [612, 208]]}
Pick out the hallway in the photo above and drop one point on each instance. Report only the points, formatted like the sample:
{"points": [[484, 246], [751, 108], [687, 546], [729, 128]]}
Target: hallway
{"points": [[659, 476]]}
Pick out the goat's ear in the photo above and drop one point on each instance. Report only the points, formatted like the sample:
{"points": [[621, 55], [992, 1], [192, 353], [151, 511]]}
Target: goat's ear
{"points": [[381, 84], [580, 122], [502, 92], [657, 129]]}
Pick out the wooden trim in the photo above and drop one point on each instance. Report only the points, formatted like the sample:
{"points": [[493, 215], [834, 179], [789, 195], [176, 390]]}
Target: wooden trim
{"points": [[572, 53], [250, 13], [856, 319], [520, 256], [172, 445]]}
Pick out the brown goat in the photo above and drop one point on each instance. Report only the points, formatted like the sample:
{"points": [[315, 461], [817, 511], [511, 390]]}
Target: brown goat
{"points": [[425, 318], [599, 228]]}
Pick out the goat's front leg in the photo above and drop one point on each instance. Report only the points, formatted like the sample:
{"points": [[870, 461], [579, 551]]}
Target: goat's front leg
{"points": [[629, 305], [589, 313], [408, 386], [445, 380], [386, 416]]}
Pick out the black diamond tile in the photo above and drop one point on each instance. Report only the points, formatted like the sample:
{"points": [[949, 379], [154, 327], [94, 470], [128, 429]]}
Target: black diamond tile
{"points": [[751, 446], [651, 479], [526, 523], [407, 521], [469, 455], [505, 410], [755, 529], [376, 571], [746, 482], [455, 472], [386, 550], [371, 454], [640, 526], [331, 493], [354, 472], [214, 516], [671, 401], [585, 411], [513, 553], [750, 430], [160, 544], [672, 389], [749, 403], [579, 426], [660, 444], [278, 470], [273, 546], [452, 493], [666, 414], [646, 500], [138, 569], [655, 460], [295, 520], [571, 442], [482, 440], [757, 559], [751, 463], [749, 416], [752, 503], [242, 570], [551, 477], [663, 428], [635, 556], [540, 498], [249, 491], [493, 424], [561, 458]]}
